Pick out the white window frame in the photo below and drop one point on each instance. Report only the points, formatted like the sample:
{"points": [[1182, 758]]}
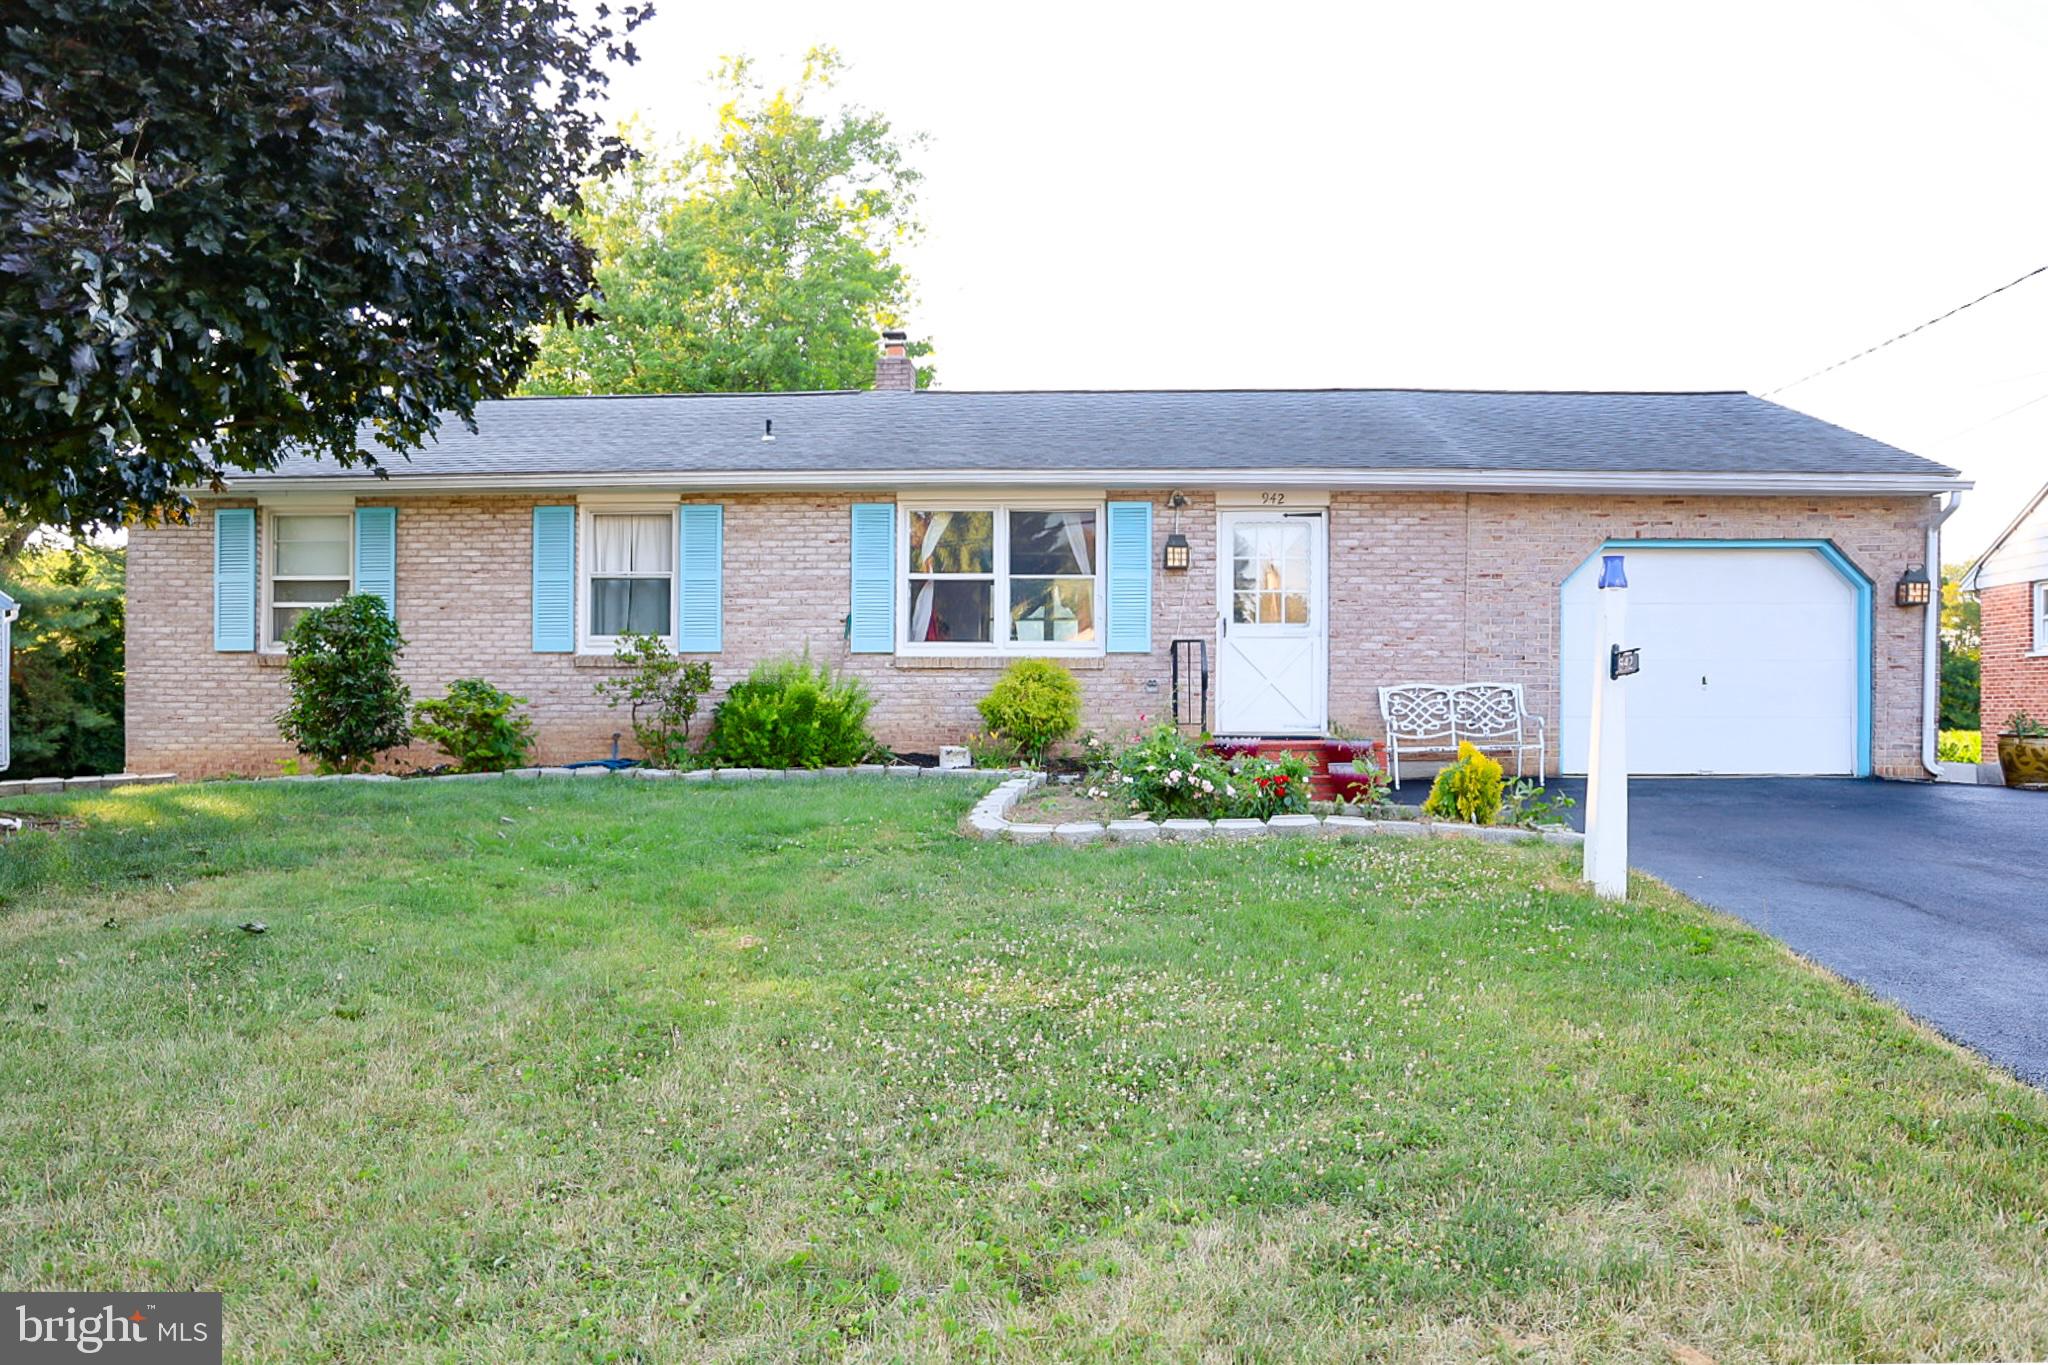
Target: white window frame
{"points": [[267, 557], [2040, 645], [588, 642], [999, 605]]}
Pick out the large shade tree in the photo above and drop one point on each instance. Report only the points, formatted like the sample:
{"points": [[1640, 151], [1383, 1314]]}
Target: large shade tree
{"points": [[763, 258], [228, 227]]}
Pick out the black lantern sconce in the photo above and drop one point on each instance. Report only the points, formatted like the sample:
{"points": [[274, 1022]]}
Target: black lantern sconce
{"points": [[1176, 557], [1914, 588]]}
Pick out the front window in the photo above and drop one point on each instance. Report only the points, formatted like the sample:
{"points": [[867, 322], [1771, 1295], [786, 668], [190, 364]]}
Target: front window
{"points": [[2041, 618], [1001, 579], [309, 567], [632, 573]]}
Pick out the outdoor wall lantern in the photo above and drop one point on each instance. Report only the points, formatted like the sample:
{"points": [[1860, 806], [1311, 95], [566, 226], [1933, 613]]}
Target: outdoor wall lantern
{"points": [[1914, 589], [1176, 557]]}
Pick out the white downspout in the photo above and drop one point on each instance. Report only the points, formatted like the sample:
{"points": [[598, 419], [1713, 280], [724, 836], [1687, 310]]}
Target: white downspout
{"points": [[1930, 686]]}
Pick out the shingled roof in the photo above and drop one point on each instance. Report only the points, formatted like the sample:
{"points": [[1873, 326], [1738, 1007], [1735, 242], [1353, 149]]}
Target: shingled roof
{"points": [[1101, 435]]}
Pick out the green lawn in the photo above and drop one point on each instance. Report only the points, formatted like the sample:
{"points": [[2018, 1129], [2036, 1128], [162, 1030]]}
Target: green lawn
{"points": [[625, 1071]]}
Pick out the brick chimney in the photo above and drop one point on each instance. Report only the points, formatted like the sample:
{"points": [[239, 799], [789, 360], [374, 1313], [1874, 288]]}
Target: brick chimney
{"points": [[893, 370]]}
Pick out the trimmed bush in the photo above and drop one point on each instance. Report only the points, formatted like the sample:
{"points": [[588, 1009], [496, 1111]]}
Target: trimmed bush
{"points": [[791, 713], [1035, 705], [1468, 789], [476, 725], [348, 704]]}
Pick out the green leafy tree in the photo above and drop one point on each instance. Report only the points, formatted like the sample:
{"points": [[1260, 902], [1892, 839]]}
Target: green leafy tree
{"points": [[1961, 651], [762, 259], [67, 674], [232, 228], [348, 703]]}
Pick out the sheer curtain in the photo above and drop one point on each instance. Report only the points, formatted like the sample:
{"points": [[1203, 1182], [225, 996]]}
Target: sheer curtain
{"points": [[623, 545], [1075, 525]]}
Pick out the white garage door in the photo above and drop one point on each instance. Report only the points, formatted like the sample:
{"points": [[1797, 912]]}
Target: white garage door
{"points": [[1750, 662]]}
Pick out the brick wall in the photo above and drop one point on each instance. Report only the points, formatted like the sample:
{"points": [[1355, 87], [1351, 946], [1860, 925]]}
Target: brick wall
{"points": [[2014, 678], [1423, 585]]}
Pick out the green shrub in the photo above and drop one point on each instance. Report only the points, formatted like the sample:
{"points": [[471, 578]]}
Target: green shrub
{"points": [[476, 725], [1162, 773], [1960, 746], [662, 694], [791, 713], [1035, 704], [1165, 774], [1261, 788], [1531, 804], [1468, 789], [348, 704], [2024, 726]]}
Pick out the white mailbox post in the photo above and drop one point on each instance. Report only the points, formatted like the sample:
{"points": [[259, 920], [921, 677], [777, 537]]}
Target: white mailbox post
{"points": [[1607, 760], [9, 608]]}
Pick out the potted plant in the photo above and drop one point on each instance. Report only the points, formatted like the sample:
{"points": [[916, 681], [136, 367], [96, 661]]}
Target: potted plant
{"points": [[2023, 751]]}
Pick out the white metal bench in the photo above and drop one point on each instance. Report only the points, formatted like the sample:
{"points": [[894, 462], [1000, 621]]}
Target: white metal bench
{"points": [[1433, 718]]}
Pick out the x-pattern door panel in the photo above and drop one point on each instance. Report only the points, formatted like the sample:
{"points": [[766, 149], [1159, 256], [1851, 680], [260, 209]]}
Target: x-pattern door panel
{"points": [[1272, 641]]}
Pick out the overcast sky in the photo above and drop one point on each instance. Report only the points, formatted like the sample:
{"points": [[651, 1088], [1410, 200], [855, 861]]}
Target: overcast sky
{"points": [[1554, 196]]}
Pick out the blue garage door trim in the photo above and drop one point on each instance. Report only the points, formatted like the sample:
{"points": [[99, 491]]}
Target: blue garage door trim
{"points": [[1827, 550]]}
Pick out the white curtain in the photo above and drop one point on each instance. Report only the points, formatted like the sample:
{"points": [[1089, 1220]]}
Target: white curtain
{"points": [[1075, 525], [621, 545], [934, 529], [921, 610]]}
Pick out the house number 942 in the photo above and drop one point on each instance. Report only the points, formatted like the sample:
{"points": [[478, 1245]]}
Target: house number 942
{"points": [[1272, 499]]}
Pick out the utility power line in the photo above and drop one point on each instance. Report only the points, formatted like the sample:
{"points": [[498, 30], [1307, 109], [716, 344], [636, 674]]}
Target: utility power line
{"points": [[1828, 369]]}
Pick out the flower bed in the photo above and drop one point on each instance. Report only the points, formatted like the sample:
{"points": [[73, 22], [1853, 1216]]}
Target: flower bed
{"points": [[1165, 775]]}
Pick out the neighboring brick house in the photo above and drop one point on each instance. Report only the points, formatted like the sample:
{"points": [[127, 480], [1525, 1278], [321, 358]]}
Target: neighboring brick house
{"points": [[2010, 580], [924, 540]]}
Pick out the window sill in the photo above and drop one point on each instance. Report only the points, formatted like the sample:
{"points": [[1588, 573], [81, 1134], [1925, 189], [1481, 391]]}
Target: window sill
{"points": [[994, 663], [271, 658], [604, 662]]}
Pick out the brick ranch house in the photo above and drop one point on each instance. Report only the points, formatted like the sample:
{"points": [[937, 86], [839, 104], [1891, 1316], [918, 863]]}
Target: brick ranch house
{"points": [[2010, 580], [1336, 541]]}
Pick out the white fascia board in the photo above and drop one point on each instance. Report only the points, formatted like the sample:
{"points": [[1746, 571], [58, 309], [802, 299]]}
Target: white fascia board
{"points": [[1972, 580], [1431, 480]]}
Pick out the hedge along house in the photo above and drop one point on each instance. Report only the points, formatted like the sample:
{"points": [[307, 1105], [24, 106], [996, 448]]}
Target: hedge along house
{"points": [[1333, 542]]}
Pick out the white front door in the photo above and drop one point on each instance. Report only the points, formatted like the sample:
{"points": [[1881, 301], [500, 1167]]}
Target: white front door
{"points": [[1750, 659], [1272, 626]]}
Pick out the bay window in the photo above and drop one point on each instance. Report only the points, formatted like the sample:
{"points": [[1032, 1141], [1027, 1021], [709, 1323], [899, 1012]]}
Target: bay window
{"points": [[1001, 579]]}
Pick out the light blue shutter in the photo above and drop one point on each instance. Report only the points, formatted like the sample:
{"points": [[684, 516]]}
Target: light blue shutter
{"points": [[377, 555], [700, 579], [554, 580], [873, 627], [234, 578], [1130, 578]]}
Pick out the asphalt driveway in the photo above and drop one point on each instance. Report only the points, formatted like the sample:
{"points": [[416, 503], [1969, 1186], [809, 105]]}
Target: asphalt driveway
{"points": [[1933, 896]]}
